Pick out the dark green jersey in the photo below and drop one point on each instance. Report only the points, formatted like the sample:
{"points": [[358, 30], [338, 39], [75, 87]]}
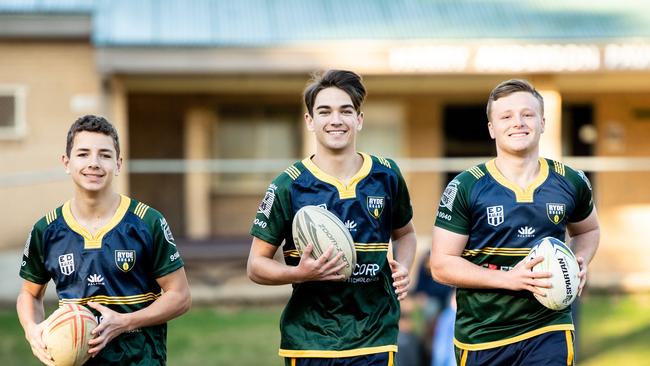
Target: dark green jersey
{"points": [[340, 319], [117, 267], [502, 222]]}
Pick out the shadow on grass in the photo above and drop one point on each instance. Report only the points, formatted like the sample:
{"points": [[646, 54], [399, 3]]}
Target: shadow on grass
{"points": [[639, 336]]}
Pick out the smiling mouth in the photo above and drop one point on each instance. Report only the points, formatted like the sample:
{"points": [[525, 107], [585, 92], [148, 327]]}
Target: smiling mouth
{"points": [[336, 132], [518, 134]]}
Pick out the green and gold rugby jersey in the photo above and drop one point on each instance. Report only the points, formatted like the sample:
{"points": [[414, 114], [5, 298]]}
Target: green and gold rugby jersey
{"points": [[117, 267], [503, 221], [340, 319]]}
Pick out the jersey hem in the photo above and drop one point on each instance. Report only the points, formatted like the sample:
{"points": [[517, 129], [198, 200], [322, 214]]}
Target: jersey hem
{"points": [[336, 354], [521, 337]]}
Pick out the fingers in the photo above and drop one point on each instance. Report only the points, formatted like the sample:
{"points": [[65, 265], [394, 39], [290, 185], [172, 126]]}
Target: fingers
{"points": [[535, 261], [401, 279]]}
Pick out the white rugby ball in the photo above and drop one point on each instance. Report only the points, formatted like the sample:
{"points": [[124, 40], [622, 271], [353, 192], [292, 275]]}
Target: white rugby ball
{"points": [[321, 228], [67, 333], [562, 263]]}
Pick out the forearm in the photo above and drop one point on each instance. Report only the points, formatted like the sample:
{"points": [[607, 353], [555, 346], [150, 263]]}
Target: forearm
{"points": [[30, 310], [169, 305], [456, 271], [268, 271], [405, 248], [585, 244]]}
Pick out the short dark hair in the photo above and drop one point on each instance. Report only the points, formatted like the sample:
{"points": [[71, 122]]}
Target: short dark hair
{"points": [[348, 81], [92, 123], [508, 87]]}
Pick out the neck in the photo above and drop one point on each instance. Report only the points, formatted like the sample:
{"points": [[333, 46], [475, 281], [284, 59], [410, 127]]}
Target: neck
{"points": [[342, 166], [519, 170], [87, 205]]}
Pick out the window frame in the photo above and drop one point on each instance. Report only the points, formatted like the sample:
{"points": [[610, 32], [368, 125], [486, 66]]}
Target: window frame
{"points": [[19, 128]]}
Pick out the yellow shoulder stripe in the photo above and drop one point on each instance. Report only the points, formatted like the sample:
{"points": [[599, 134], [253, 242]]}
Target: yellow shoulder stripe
{"points": [[292, 172], [476, 172], [559, 167], [140, 210], [384, 161], [51, 216]]}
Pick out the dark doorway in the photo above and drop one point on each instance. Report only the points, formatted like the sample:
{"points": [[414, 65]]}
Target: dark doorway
{"points": [[466, 133]]}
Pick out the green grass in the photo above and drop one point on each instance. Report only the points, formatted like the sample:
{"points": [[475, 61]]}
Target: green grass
{"points": [[614, 330]]}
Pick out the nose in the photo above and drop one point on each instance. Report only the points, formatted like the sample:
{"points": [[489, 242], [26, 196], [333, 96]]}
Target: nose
{"points": [[336, 118], [93, 161]]}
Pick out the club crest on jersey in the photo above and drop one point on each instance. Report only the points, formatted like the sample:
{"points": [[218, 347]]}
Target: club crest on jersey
{"points": [[267, 201], [449, 195], [125, 259], [375, 205], [66, 263], [555, 212], [495, 215], [167, 231]]}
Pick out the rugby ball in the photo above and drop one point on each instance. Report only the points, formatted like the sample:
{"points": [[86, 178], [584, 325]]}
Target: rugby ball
{"points": [[67, 332], [560, 261], [321, 228]]}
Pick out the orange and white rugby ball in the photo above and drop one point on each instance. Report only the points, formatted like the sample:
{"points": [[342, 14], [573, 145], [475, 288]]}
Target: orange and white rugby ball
{"points": [[67, 332]]}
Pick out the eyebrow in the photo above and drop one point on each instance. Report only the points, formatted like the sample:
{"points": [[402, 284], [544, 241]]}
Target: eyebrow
{"points": [[330, 107], [85, 149]]}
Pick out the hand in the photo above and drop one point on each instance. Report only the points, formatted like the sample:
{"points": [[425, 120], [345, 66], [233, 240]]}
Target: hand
{"points": [[34, 336], [325, 268], [582, 274], [112, 325], [522, 277], [401, 279]]}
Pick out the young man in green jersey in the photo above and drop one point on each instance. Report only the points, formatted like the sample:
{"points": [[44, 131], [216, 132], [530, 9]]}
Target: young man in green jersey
{"points": [[107, 251], [488, 219], [329, 321]]}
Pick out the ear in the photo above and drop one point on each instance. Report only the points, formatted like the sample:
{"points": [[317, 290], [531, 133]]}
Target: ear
{"points": [[65, 160], [119, 166], [309, 121], [360, 121], [543, 124], [490, 130]]}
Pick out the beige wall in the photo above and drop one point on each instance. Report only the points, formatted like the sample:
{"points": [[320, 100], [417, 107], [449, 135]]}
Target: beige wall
{"points": [[61, 83]]}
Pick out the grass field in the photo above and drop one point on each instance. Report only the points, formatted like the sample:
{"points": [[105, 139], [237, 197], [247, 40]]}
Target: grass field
{"points": [[614, 330]]}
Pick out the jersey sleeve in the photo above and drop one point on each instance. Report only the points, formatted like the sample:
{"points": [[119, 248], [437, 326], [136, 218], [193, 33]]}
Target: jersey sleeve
{"points": [[32, 267], [402, 209], [274, 214], [584, 195], [454, 208], [166, 258]]}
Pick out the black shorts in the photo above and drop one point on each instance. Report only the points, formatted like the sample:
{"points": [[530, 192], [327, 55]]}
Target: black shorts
{"points": [[375, 359], [549, 349]]}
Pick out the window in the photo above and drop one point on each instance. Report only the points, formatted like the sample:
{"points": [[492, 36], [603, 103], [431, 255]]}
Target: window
{"points": [[383, 129], [255, 132], [12, 112]]}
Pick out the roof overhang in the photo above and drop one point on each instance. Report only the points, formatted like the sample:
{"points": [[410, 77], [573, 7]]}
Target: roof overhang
{"points": [[48, 26]]}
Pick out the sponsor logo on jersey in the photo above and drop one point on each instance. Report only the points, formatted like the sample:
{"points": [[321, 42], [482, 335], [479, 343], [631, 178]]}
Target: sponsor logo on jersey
{"points": [[584, 177], [495, 215], [66, 263], [555, 212], [375, 205], [95, 280], [351, 225], [526, 232], [449, 195], [125, 259], [365, 273], [29, 240], [174, 257], [267, 201], [167, 231]]}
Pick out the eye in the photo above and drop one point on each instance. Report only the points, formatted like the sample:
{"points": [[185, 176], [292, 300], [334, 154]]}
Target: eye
{"points": [[323, 113], [107, 156], [82, 154], [347, 112]]}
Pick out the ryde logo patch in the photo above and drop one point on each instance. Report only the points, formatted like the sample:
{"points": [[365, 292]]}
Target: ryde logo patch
{"points": [[375, 205], [555, 212], [125, 259], [495, 215]]}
